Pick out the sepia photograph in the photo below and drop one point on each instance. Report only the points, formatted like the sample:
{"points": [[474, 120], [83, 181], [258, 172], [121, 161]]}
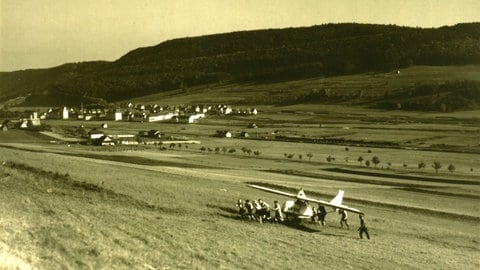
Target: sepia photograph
{"points": [[239, 134]]}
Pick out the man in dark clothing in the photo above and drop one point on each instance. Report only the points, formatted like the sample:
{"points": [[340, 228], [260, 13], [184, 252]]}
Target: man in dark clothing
{"points": [[249, 207], [241, 208], [321, 213], [363, 227]]}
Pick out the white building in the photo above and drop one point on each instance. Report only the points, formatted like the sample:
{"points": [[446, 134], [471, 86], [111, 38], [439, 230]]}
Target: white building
{"points": [[193, 118], [161, 117], [65, 113], [118, 116]]}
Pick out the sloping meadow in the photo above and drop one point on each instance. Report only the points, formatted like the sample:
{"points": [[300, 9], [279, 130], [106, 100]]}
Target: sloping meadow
{"points": [[89, 214]]}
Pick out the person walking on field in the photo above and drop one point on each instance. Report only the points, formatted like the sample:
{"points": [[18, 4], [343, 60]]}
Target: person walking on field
{"points": [[363, 227], [344, 218]]}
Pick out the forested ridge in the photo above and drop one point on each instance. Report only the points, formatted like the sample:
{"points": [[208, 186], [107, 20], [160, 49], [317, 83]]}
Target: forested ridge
{"points": [[249, 56]]}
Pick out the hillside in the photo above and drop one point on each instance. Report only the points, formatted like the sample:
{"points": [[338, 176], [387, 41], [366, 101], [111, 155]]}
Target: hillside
{"points": [[416, 88], [251, 56]]}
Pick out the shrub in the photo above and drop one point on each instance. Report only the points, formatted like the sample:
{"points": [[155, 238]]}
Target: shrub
{"points": [[360, 159], [437, 166], [375, 161], [422, 165]]}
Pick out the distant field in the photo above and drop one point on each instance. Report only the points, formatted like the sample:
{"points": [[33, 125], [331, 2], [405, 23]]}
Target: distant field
{"points": [[371, 84], [15, 135]]}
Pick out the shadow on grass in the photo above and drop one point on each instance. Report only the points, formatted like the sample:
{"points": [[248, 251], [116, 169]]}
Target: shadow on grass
{"points": [[224, 209], [301, 227]]}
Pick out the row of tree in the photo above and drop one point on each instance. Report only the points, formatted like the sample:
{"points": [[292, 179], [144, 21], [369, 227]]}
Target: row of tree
{"points": [[229, 150]]}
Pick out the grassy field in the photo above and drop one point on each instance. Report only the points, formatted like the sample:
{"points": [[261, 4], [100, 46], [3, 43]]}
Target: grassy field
{"points": [[71, 207]]}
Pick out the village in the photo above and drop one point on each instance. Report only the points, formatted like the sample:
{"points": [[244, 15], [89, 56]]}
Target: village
{"points": [[127, 112]]}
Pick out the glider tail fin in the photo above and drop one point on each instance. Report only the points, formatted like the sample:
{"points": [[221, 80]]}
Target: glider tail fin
{"points": [[338, 199]]}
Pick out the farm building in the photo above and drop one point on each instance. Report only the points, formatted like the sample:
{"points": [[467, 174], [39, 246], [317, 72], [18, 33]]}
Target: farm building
{"points": [[95, 134], [154, 133], [150, 134], [195, 117], [127, 141], [161, 117], [118, 116], [65, 113], [224, 134], [104, 141], [26, 123]]}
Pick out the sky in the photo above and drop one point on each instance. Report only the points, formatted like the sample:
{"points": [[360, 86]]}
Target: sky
{"points": [[47, 33]]}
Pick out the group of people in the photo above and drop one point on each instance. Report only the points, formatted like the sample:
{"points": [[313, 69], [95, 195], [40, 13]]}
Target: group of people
{"points": [[260, 211]]}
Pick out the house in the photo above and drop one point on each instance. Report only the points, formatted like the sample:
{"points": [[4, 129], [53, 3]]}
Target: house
{"points": [[224, 134], [118, 116], [65, 113], [154, 134], [252, 125], [195, 117], [104, 125], [104, 141], [95, 134], [244, 134], [24, 123], [254, 111], [226, 110]]}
